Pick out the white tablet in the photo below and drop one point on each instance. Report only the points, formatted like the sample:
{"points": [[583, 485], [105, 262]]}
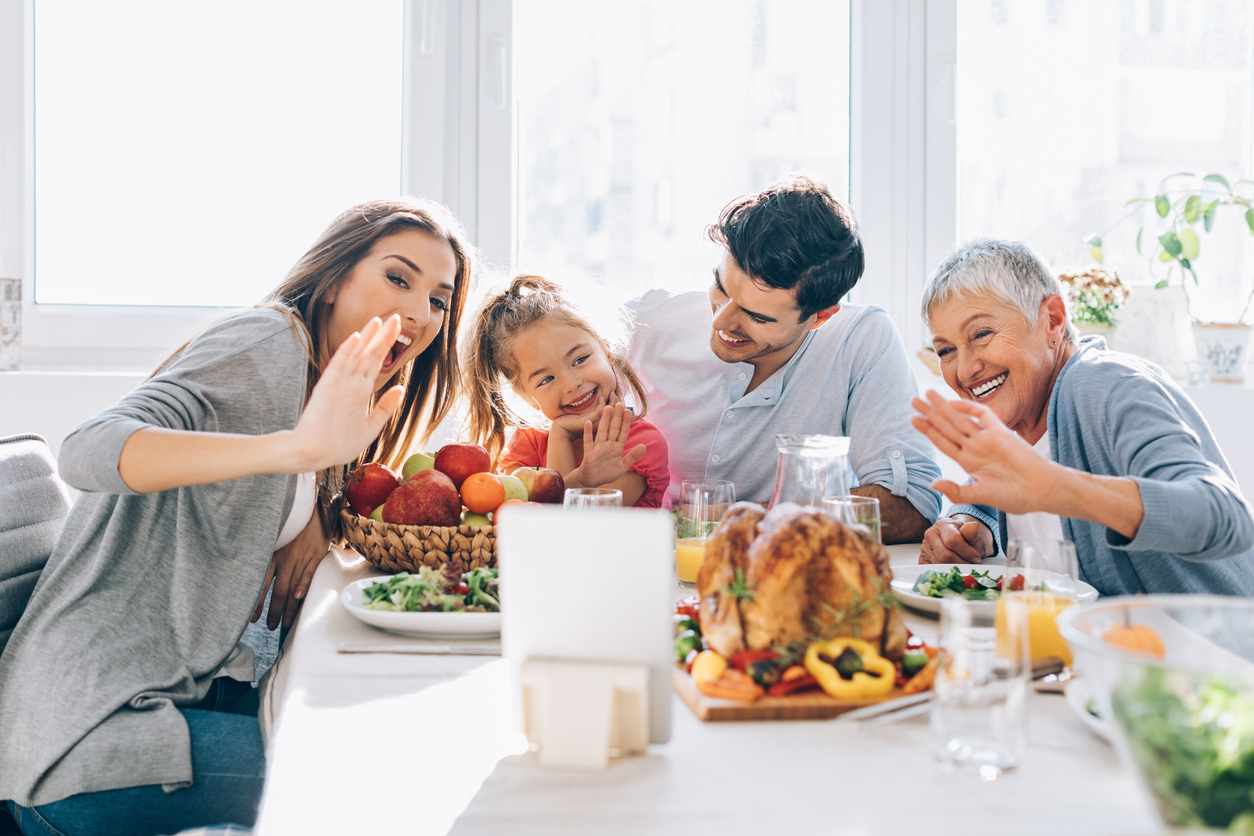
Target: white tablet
{"points": [[590, 585]]}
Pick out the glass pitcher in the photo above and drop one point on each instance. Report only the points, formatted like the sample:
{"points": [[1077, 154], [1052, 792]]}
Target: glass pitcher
{"points": [[810, 468]]}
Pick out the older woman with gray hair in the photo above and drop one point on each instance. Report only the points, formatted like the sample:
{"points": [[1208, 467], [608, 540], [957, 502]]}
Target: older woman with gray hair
{"points": [[1064, 439]]}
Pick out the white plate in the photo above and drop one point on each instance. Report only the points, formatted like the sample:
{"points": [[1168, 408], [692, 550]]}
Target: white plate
{"points": [[905, 576], [1079, 698], [462, 625]]}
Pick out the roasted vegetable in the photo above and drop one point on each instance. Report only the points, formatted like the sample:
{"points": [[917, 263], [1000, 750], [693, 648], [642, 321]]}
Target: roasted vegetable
{"points": [[794, 679], [850, 669], [924, 679], [708, 666], [912, 663], [732, 685], [686, 642]]}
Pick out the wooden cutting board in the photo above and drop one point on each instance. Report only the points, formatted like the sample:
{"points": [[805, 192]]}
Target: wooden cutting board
{"points": [[811, 705]]}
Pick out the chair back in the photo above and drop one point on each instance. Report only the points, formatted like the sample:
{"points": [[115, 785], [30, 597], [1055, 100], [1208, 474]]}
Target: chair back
{"points": [[34, 503]]}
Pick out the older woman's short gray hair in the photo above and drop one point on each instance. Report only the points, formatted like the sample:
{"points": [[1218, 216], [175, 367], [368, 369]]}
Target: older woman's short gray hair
{"points": [[1004, 270]]}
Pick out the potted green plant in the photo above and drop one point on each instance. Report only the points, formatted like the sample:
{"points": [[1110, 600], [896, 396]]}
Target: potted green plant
{"points": [[1094, 298], [1183, 203]]}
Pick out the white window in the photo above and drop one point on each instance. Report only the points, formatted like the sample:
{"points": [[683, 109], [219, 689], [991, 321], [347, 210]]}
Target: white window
{"points": [[1067, 109], [638, 122], [626, 130], [188, 153]]}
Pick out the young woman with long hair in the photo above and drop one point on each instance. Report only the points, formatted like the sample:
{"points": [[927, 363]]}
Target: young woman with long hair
{"points": [[124, 704]]}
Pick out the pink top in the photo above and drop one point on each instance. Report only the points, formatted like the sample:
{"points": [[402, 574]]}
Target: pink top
{"points": [[529, 447]]}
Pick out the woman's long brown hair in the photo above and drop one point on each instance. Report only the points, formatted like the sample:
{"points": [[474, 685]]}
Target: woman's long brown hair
{"points": [[490, 359], [432, 380]]}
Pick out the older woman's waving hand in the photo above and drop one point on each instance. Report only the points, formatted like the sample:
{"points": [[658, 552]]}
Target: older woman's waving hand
{"points": [[1064, 439], [1008, 473]]}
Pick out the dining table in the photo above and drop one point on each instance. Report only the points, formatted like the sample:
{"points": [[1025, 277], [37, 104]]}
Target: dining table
{"points": [[400, 743]]}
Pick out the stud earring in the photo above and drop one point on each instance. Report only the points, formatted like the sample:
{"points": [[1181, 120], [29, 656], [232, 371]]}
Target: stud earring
{"points": [[1055, 342]]}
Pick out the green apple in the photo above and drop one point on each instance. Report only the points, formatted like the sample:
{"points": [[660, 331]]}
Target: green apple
{"points": [[417, 462], [514, 488], [377, 514], [471, 518]]}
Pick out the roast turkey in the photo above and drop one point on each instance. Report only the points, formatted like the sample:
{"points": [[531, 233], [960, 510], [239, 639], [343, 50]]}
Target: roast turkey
{"points": [[771, 578]]}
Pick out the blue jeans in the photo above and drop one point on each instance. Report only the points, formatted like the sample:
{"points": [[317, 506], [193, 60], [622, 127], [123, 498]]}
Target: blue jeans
{"points": [[228, 769]]}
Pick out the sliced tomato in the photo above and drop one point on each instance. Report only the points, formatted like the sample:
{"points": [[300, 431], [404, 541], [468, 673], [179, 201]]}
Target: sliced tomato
{"points": [[689, 606], [969, 582], [1000, 581], [1016, 583]]}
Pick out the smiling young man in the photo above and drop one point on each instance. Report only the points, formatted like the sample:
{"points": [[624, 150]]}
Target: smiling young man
{"points": [[770, 350]]}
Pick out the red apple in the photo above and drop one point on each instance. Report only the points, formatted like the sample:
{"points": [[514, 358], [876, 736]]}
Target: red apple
{"points": [[369, 486], [426, 498], [457, 461], [543, 485]]}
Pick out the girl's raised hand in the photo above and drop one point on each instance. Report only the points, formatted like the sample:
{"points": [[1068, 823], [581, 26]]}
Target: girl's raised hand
{"points": [[337, 423], [603, 458]]}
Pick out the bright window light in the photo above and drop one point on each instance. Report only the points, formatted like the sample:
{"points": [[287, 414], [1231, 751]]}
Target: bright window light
{"points": [[189, 153], [638, 122], [1069, 108]]}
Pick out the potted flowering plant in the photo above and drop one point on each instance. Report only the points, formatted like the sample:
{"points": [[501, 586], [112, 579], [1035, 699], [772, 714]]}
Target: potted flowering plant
{"points": [[1185, 205], [1094, 297]]}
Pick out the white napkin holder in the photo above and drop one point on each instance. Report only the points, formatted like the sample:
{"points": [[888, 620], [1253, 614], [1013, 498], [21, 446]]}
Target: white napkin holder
{"points": [[586, 602], [576, 712]]}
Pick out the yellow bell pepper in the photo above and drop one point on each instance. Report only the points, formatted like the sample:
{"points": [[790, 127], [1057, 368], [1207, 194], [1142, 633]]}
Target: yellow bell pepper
{"points": [[850, 669]]}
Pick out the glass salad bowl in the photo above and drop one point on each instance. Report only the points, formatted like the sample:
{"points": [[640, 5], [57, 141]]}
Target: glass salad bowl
{"points": [[1176, 675]]}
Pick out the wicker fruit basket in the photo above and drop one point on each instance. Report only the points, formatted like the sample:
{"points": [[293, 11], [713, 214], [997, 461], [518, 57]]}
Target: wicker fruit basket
{"points": [[407, 548]]}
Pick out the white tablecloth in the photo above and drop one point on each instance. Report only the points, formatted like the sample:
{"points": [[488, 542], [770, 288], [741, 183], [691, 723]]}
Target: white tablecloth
{"points": [[420, 744]]}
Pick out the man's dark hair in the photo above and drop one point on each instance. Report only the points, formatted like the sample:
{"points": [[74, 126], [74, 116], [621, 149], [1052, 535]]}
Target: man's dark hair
{"points": [[794, 234]]}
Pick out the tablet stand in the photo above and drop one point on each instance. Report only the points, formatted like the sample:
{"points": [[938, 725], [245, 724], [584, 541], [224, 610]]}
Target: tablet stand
{"points": [[576, 712]]}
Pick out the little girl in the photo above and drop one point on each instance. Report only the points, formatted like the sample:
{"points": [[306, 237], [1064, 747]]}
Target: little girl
{"points": [[531, 337]]}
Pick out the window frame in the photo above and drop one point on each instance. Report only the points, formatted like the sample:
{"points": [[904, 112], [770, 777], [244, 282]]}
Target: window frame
{"points": [[458, 90]]}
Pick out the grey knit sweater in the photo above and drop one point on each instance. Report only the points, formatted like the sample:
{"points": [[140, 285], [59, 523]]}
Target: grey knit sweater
{"points": [[1114, 414], [145, 595]]}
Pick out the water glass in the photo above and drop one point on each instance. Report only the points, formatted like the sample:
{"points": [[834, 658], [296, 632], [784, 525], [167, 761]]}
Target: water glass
{"points": [[1043, 574], [979, 714], [861, 513], [593, 498], [702, 503]]}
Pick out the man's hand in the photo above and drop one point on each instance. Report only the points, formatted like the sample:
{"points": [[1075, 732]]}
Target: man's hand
{"points": [[292, 568], [957, 539], [900, 521]]}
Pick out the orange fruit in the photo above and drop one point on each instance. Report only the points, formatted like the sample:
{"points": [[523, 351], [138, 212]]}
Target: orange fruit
{"points": [[1136, 637], [482, 492]]}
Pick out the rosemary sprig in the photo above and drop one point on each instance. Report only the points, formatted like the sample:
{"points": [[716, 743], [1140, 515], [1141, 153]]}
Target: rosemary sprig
{"points": [[740, 589], [853, 611]]}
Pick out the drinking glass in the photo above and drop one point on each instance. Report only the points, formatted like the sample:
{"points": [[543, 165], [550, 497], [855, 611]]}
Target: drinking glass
{"points": [[980, 710], [592, 498], [1042, 573], [702, 503], [862, 513]]}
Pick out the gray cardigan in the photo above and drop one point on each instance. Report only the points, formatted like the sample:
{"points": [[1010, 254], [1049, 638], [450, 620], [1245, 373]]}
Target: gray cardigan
{"points": [[145, 595], [1113, 414]]}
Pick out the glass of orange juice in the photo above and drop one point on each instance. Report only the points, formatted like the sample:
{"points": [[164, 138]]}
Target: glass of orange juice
{"points": [[1049, 570], [702, 503]]}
